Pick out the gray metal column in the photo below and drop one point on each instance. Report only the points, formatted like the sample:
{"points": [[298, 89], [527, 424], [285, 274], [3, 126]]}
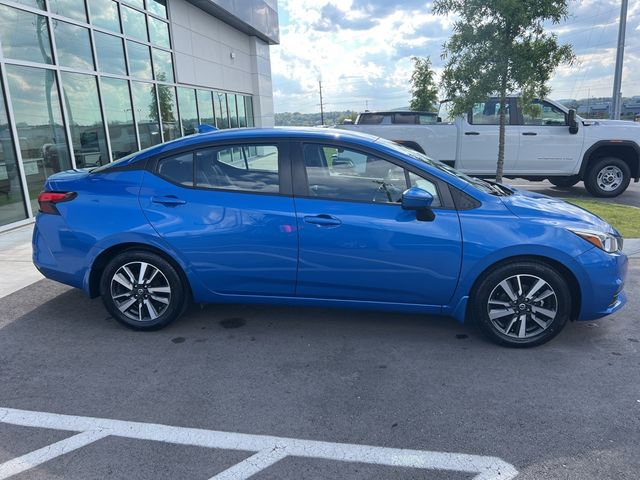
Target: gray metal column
{"points": [[617, 79]]}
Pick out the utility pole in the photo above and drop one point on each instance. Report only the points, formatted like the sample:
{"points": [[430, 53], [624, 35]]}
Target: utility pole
{"points": [[617, 78], [321, 106]]}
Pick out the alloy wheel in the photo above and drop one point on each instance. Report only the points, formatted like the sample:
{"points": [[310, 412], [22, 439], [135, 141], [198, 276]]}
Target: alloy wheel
{"points": [[140, 291]]}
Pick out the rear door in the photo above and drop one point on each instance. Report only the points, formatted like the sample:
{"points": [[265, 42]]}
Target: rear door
{"points": [[480, 135], [356, 241], [228, 210]]}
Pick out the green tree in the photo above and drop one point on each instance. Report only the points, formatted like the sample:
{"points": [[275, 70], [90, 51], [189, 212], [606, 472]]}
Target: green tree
{"points": [[500, 47], [424, 93]]}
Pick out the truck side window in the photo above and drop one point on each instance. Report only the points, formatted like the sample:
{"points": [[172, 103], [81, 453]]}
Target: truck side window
{"points": [[488, 113], [543, 113]]}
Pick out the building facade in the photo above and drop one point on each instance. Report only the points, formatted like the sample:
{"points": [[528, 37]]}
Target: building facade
{"points": [[85, 82]]}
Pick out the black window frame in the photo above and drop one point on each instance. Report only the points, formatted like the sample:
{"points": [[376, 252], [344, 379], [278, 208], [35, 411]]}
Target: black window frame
{"points": [[284, 164], [301, 183]]}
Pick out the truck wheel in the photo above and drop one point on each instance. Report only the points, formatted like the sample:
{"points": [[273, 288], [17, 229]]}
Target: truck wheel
{"points": [[565, 182], [608, 177]]}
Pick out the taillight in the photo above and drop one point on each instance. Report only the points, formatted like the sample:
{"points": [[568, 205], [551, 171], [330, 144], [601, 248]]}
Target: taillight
{"points": [[48, 200]]}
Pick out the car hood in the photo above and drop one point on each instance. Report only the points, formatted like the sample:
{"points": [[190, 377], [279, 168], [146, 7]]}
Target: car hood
{"points": [[535, 206]]}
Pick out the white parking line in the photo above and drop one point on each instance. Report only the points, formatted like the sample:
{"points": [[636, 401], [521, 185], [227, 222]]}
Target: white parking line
{"points": [[270, 449]]}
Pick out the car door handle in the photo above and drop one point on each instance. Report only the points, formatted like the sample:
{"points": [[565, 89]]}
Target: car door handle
{"points": [[472, 133], [529, 133], [322, 220], [168, 200]]}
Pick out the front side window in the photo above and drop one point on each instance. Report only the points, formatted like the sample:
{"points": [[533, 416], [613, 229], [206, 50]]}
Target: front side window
{"points": [[540, 112], [488, 113], [340, 173]]}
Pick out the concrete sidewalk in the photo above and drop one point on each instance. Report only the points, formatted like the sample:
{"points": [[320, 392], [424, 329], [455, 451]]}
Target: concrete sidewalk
{"points": [[17, 270]]}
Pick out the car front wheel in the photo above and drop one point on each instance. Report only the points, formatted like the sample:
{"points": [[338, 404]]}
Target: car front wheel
{"points": [[522, 304], [142, 290], [608, 177]]}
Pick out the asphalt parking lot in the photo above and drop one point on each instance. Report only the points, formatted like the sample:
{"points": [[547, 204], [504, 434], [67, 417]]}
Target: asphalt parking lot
{"points": [[566, 410]]}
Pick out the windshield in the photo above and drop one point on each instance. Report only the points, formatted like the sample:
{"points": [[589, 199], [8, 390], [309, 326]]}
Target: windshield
{"points": [[476, 182]]}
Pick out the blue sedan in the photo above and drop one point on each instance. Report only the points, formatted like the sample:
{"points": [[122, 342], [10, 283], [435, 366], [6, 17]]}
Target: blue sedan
{"points": [[323, 218]]}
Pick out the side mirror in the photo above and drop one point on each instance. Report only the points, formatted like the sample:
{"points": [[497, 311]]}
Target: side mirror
{"points": [[419, 200], [573, 123]]}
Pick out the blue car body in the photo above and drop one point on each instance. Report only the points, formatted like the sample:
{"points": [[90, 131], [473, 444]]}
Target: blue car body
{"points": [[239, 247]]}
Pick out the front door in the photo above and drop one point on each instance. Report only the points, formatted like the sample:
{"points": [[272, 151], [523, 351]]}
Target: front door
{"points": [[356, 241], [227, 211]]}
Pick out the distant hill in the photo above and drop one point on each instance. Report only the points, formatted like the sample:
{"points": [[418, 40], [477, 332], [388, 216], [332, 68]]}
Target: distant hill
{"points": [[297, 119]]}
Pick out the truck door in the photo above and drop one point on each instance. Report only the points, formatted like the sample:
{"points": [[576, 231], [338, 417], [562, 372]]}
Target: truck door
{"points": [[479, 138], [546, 146]]}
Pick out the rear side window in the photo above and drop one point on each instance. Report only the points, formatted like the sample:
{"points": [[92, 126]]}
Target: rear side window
{"points": [[488, 113], [249, 168], [177, 169]]}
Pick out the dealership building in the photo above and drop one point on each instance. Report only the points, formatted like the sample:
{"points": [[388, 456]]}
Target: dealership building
{"points": [[85, 82]]}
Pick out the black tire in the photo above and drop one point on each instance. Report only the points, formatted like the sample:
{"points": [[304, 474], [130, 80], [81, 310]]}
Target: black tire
{"points": [[605, 170], [564, 182], [505, 329], [157, 301]]}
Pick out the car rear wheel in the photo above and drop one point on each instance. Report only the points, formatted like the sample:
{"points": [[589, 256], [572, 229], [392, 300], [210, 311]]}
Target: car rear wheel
{"points": [[522, 304], [142, 290], [564, 182], [608, 177]]}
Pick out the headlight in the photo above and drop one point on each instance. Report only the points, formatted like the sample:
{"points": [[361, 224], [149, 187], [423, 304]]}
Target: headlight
{"points": [[604, 241]]}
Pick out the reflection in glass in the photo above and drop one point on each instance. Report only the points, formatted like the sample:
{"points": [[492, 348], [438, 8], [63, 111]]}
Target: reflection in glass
{"points": [[85, 120], [104, 13], [12, 206], [119, 116], [24, 35], [163, 65], [248, 103], [242, 116], [69, 8], [134, 23], [159, 32], [205, 108], [139, 60], [110, 53], [188, 110], [168, 112], [38, 117], [74, 46], [136, 3], [32, 3], [220, 108], [145, 108], [233, 111], [159, 7]]}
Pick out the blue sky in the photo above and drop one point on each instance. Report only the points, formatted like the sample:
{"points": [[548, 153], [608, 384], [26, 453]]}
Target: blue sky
{"points": [[361, 49]]}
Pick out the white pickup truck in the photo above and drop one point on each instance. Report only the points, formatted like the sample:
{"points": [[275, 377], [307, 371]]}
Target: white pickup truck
{"points": [[553, 144]]}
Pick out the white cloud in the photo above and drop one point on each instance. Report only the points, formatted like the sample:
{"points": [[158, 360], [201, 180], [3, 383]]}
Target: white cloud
{"points": [[361, 50]]}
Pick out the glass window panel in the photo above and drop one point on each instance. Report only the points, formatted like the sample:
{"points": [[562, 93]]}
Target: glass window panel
{"points": [[134, 23], [136, 3], [104, 13], [119, 116], [38, 117], [188, 110], [488, 113], [205, 108], [233, 110], [139, 60], [168, 112], [159, 7], [248, 102], [146, 111], [177, 169], [220, 108], [12, 206], [69, 8], [250, 168], [159, 32], [110, 52], [163, 65], [74, 46], [424, 184], [85, 119], [24, 35], [242, 116], [32, 3], [339, 173]]}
